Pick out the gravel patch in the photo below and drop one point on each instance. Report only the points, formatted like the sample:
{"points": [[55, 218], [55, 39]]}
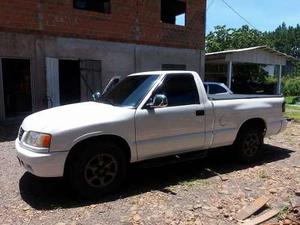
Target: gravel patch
{"points": [[207, 191]]}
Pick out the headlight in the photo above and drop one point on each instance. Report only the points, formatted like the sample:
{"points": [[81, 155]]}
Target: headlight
{"points": [[39, 140]]}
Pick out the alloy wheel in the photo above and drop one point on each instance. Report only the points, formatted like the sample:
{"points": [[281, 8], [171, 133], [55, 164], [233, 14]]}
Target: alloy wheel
{"points": [[101, 170], [251, 145]]}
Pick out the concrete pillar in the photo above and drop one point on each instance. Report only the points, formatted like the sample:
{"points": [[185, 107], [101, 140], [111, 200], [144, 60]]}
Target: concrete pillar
{"points": [[38, 75], [202, 65], [279, 80], [229, 74]]}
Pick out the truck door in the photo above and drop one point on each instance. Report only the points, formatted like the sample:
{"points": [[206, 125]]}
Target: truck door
{"points": [[178, 127]]}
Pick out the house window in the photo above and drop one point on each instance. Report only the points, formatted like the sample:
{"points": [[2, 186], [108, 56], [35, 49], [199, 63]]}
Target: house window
{"points": [[173, 12], [102, 6]]}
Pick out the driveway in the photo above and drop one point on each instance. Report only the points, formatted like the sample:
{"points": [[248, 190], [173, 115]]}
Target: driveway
{"points": [[207, 191]]}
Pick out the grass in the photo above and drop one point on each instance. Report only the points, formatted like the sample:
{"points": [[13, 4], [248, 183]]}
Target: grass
{"points": [[290, 100], [293, 107], [283, 212], [263, 174], [293, 111]]}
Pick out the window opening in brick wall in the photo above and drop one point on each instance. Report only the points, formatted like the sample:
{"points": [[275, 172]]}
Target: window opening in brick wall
{"points": [[102, 6], [173, 12]]}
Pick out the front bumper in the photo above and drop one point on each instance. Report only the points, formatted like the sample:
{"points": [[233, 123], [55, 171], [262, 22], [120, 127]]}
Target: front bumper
{"points": [[41, 164]]}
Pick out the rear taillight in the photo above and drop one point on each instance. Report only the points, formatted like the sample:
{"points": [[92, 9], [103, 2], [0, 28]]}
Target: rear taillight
{"points": [[283, 107]]}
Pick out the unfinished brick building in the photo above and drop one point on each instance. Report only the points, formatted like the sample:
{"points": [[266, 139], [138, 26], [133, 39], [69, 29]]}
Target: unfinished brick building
{"points": [[57, 52]]}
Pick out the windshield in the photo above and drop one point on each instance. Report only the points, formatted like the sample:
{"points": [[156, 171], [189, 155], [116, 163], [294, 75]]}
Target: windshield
{"points": [[130, 91]]}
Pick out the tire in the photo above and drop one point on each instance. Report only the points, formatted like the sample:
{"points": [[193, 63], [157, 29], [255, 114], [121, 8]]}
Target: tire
{"points": [[97, 169], [248, 144]]}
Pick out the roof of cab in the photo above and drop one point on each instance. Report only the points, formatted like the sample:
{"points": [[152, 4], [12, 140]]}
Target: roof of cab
{"points": [[161, 72]]}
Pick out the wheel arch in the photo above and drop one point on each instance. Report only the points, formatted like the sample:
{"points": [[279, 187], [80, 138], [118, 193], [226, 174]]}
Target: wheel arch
{"points": [[254, 122], [121, 142]]}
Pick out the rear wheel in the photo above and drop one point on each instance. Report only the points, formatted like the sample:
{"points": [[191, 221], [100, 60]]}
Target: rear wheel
{"points": [[97, 169], [249, 143]]}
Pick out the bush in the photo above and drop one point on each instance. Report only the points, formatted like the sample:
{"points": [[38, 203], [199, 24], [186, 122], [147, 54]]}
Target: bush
{"points": [[270, 80], [291, 86], [290, 100]]}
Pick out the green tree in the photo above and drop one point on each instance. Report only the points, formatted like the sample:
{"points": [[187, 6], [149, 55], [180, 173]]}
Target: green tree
{"points": [[219, 39], [284, 39], [245, 37], [223, 38]]}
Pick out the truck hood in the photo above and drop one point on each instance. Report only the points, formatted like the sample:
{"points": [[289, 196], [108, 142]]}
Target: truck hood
{"points": [[74, 116]]}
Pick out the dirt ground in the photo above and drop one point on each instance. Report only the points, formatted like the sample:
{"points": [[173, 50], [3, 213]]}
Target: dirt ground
{"points": [[207, 191]]}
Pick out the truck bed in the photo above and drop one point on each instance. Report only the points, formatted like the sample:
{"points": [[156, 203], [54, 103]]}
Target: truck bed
{"points": [[240, 96]]}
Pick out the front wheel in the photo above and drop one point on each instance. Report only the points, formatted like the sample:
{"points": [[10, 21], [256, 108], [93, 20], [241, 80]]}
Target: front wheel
{"points": [[248, 144], [97, 169]]}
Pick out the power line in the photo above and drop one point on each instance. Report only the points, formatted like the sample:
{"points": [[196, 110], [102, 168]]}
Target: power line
{"points": [[236, 12]]}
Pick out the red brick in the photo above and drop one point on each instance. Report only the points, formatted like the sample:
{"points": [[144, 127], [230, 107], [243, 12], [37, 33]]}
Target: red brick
{"points": [[134, 21]]}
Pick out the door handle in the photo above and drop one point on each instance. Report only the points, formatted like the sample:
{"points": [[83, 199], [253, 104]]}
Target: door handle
{"points": [[200, 113]]}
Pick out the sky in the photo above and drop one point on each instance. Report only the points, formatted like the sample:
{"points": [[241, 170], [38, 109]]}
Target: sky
{"points": [[265, 15]]}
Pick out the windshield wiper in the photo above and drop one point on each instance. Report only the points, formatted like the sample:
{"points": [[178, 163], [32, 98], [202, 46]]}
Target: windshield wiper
{"points": [[108, 101]]}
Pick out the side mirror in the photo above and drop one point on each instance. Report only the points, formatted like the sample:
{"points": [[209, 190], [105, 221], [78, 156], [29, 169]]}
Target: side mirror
{"points": [[96, 96], [158, 101]]}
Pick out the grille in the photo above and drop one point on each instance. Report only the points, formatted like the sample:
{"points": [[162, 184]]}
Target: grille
{"points": [[21, 132]]}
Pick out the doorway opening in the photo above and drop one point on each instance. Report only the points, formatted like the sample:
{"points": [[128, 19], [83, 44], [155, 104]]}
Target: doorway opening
{"points": [[17, 87], [69, 81]]}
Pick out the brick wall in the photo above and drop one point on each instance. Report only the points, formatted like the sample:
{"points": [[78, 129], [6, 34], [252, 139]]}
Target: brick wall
{"points": [[133, 21]]}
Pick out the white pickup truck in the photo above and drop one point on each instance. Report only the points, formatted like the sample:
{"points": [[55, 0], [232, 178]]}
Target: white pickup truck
{"points": [[145, 116]]}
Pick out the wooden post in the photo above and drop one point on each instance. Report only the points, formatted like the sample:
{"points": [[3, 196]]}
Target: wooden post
{"points": [[52, 74], [229, 74], [279, 80]]}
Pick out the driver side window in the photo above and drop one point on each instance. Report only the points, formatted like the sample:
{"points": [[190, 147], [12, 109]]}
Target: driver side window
{"points": [[180, 89]]}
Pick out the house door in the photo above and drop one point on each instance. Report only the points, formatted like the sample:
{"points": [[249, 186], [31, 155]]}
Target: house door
{"points": [[91, 82], [69, 82], [72, 81], [16, 80]]}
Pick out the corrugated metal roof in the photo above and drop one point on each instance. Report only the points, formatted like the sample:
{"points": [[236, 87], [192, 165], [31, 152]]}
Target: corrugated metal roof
{"points": [[264, 48]]}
